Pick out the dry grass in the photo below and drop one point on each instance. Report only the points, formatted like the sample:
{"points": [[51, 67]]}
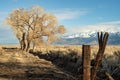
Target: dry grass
{"points": [[69, 58], [16, 64], [110, 49]]}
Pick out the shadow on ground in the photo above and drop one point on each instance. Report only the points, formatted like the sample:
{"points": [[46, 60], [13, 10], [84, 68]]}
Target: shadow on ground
{"points": [[36, 69], [69, 63], [14, 71], [53, 65]]}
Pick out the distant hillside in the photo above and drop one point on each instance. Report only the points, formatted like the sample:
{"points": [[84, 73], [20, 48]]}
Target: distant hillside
{"points": [[88, 38]]}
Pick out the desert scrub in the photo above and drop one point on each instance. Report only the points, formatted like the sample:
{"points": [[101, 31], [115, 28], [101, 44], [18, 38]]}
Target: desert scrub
{"points": [[110, 64]]}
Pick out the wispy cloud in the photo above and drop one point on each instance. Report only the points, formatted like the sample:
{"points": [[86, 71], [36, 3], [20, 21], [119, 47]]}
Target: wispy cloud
{"points": [[111, 23], [113, 26], [65, 14]]}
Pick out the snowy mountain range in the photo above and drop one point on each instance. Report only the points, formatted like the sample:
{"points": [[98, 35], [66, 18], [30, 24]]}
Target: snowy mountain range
{"points": [[82, 35], [88, 38]]}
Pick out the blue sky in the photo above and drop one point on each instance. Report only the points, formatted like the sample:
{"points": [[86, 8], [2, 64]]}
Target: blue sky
{"points": [[76, 15]]}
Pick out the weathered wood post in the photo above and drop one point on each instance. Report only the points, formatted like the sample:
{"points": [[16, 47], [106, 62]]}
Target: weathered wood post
{"points": [[109, 76], [102, 40], [86, 51]]}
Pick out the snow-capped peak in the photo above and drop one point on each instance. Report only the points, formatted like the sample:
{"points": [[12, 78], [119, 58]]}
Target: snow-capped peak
{"points": [[82, 34], [87, 34]]}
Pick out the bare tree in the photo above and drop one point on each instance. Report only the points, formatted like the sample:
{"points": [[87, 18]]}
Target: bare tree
{"points": [[33, 24]]}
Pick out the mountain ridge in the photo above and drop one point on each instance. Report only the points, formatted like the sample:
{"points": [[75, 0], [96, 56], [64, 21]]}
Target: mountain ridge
{"points": [[88, 38]]}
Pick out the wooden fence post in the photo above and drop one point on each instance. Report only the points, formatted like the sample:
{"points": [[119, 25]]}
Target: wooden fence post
{"points": [[102, 40], [86, 51]]}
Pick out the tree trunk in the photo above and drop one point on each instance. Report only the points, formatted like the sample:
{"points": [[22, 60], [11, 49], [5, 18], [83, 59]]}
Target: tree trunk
{"points": [[33, 46], [22, 42], [28, 45]]}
